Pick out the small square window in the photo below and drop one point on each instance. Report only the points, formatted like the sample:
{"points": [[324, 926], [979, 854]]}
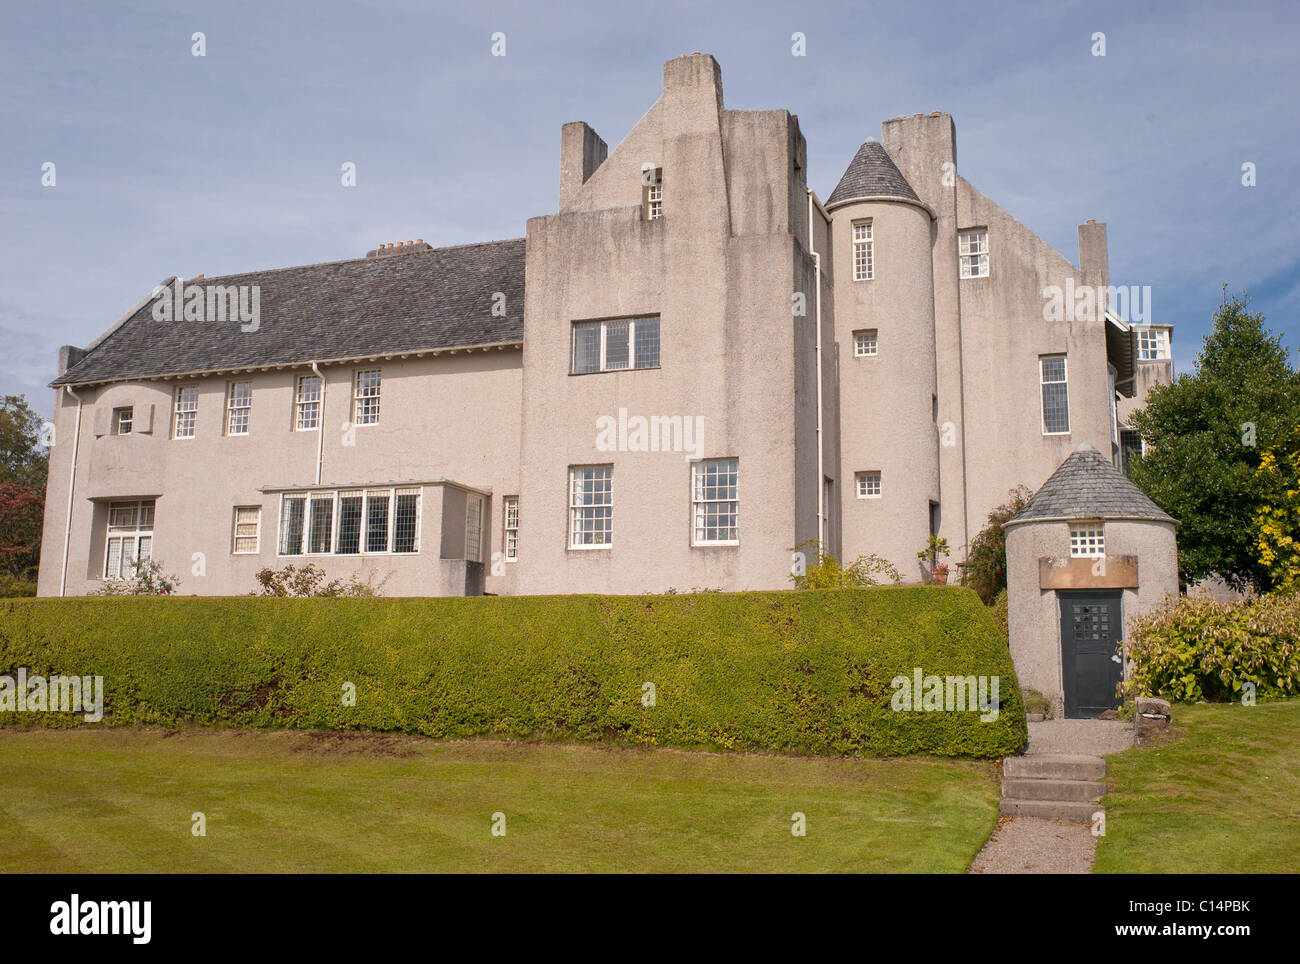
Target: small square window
{"points": [[864, 343], [1087, 540], [868, 484], [122, 420]]}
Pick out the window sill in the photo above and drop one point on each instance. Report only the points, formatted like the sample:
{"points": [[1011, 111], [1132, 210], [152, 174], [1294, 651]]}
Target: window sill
{"points": [[590, 548], [734, 544], [618, 371]]}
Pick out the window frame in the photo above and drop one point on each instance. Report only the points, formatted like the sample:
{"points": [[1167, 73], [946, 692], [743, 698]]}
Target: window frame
{"points": [[859, 335], [134, 533], [864, 267], [509, 530], [257, 531], [336, 498], [179, 399], [360, 398], [232, 408], [124, 415], [1160, 341], [978, 250], [699, 504], [575, 508], [1089, 538], [301, 403], [603, 351], [652, 194], [1042, 395], [862, 480]]}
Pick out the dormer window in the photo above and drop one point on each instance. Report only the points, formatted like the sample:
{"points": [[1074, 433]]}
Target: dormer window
{"points": [[1153, 343], [652, 193], [122, 419]]}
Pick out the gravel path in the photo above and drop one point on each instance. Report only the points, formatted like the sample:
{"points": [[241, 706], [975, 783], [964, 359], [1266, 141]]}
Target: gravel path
{"points": [[1030, 845], [1082, 737]]}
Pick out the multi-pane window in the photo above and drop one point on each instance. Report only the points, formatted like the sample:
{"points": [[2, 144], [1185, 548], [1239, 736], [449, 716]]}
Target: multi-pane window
{"points": [[1153, 343], [864, 261], [473, 527], [248, 526], [307, 403], [365, 398], [122, 420], [1087, 540], [350, 522], [1056, 395], [868, 484], [973, 253], [654, 193], [511, 526], [864, 342], [615, 345], [239, 402], [591, 506], [130, 537], [715, 502], [186, 411]]}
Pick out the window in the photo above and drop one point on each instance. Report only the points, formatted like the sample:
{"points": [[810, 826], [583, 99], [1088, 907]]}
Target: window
{"points": [[653, 194], [615, 345], [868, 484], [1153, 343], [715, 502], [350, 522], [473, 528], [307, 404], [511, 518], [1087, 541], [1130, 447], [864, 342], [248, 529], [239, 402], [365, 398], [130, 537], [864, 265], [1056, 395], [973, 253], [122, 419], [591, 506], [187, 411]]}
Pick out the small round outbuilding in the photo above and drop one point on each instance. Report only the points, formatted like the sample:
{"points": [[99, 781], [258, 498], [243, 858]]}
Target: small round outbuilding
{"points": [[1086, 555]]}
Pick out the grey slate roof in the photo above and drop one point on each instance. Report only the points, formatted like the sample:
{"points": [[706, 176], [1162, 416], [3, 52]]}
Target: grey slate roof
{"points": [[871, 173], [1088, 486], [429, 299]]}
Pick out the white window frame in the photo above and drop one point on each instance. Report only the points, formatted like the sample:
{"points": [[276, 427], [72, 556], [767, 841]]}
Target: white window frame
{"points": [[700, 503], [1153, 344], [132, 534], [1042, 384], [973, 253], [868, 484], [336, 496], [604, 361], [510, 528], [866, 343], [236, 535], [185, 411], [363, 396], [1087, 540], [239, 406], [123, 420], [307, 408], [864, 250], [577, 509], [654, 194]]}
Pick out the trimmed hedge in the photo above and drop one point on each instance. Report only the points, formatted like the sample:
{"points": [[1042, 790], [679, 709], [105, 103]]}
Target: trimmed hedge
{"points": [[805, 672]]}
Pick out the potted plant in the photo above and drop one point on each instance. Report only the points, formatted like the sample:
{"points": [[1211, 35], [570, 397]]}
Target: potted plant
{"points": [[933, 552]]}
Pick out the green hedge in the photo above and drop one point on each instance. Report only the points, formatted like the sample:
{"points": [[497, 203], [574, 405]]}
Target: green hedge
{"points": [[789, 671]]}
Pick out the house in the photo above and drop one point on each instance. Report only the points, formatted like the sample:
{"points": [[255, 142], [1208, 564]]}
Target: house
{"points": [[690, 368]]}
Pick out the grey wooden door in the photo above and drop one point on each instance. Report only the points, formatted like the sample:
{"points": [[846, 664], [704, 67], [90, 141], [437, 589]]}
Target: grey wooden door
{"points": [[1091, 628]]}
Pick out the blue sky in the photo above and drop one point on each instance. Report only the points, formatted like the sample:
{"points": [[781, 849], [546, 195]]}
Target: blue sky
{"points": [[168, 163]]}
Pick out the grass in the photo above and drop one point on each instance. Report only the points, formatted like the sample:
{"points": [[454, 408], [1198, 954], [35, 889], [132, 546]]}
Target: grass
{"points": [[122, 800], [1222, 798]]}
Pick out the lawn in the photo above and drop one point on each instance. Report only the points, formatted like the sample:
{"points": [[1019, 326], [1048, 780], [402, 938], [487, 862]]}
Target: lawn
{"points": [[100, 800], [1225, 798]]}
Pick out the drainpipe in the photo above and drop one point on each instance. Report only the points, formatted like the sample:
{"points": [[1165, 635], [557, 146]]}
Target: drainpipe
{"points": [[320, 424], [821, 466], [72, 481]]}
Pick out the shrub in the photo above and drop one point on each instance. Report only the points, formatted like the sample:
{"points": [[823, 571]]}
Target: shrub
{"points": [[1197, 649], [295, 582], [828, 573], [985, 568], [803, 672], [999, 609], [1036, 702], [147, 580], [12, 587]]}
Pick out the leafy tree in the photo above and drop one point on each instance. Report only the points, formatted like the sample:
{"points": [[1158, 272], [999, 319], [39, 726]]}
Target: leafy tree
{"points": [[985, 568], [1277, 521], [1205, 435], [24, 462]]}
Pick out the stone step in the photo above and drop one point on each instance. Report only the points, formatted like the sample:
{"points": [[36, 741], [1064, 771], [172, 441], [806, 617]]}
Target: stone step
{"points": [[1033, 788], [1071, 810], [1055, 766]]}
